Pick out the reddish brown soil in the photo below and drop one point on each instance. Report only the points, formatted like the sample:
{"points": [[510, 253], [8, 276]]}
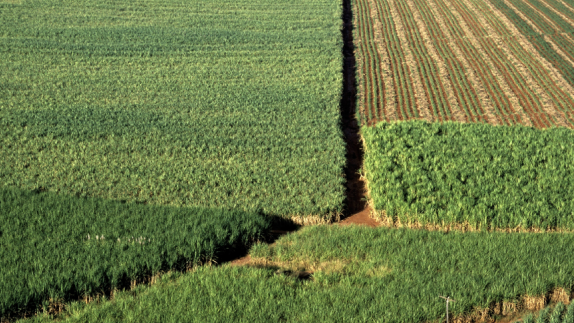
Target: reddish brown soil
{"points": [[361, 218]]}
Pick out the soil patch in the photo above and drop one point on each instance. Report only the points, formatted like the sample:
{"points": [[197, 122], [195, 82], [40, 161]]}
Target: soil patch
{"points": [[362, 218]]}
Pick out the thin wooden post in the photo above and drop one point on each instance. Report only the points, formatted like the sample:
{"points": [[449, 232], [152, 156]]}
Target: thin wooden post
{"points": [[448, 299]]}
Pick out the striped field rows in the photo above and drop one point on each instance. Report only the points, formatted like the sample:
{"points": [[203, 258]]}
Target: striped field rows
{"points": [[501, 62]]}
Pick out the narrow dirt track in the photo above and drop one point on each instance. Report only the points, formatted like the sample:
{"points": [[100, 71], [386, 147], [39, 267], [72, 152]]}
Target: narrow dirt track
{"points": [[356, 208]]}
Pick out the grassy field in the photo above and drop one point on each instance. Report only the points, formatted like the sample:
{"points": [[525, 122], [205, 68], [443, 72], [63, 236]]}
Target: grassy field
{"points": [[140, 139], [558, 314], [501, 62], [472, 176], [212, 103], [360, 275], [63, 248]]}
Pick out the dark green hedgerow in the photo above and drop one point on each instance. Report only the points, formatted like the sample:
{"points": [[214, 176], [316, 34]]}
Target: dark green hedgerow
{"points": [[492, 177], [53, 246]]}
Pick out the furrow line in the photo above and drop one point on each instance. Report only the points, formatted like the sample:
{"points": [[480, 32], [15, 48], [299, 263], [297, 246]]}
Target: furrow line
{"points": [[511, 72], [402, 79], [561, 99], [433, 86], [501, 79], [485, 102], [548, 105], [361, 62], [390, 100], [562, 2], [422, 102], [536, 29], [553, 26]]}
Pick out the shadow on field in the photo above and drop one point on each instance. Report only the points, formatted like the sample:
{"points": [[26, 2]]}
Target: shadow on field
{"points": [[355, 201], [240, 254]]}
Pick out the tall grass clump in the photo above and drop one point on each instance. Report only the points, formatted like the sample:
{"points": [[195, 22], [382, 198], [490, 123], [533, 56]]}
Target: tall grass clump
{"points": [[483, 176]]}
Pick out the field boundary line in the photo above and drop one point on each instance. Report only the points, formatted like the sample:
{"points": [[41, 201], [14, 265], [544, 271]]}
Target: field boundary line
{"points": [[536, 29], [390, 108], [508, 92], [552, 72], [547, 104], [423, 104], [443, 73]]}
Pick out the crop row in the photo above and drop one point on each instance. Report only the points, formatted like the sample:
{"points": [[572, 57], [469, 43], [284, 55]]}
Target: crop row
{"points": [[475, 61], [61, 248]]}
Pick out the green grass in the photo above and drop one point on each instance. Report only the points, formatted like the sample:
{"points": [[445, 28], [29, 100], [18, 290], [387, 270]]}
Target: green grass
{"points": [[559, 314], [360, 275], [59, 247], [213, 103], [491, 177]]}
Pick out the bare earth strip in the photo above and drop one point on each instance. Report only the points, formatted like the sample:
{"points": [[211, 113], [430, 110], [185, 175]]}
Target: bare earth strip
{"points": [[536, 29], [390, 94], [554, 74], [444, 75], [570, 21], [494, 70], [547, 103], [423, 105]]}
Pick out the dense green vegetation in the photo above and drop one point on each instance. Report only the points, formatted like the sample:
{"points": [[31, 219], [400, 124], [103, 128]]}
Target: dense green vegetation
{"points": [[559, 314], [360, 275], [54, 246], [213, 103], [491, 177]]}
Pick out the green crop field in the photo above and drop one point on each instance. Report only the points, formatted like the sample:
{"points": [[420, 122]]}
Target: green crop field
{"points": [[360, 275], [212, 103], [483, 176], [55, 247]]}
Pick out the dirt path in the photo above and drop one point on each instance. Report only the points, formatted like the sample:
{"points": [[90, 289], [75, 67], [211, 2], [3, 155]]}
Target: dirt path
{"points": [[356, 208]]}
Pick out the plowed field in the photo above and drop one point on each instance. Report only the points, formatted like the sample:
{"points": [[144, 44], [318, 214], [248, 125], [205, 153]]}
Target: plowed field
{"points": [[498, 62]]}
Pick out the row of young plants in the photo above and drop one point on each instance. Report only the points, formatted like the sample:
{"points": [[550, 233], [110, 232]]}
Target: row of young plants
{"points": [[537, 91], [368, 65], [489, 177], [428, 68], [538, 40], [559, 314], [404, 101], [359, 274], [60, 248], [542, 100], [213, 104], [558, 98], [466, 94], [529, 101]]}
